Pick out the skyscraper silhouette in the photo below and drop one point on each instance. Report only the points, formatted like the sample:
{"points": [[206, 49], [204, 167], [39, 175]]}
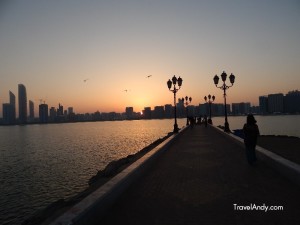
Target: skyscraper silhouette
{"points": [[22, 104], [31, 111], [12, 101], [43, 113]]}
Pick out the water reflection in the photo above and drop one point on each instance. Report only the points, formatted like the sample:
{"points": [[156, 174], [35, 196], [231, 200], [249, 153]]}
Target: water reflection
{"points": [[40, 164]]}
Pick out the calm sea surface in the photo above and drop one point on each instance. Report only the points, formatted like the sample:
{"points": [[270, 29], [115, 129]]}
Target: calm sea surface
{"points": [[40, 164], [268, 125]]}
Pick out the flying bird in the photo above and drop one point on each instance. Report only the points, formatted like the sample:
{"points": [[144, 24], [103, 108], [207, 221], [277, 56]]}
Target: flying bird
{"points": [[149, 76], [85, 80], [126, 90]]}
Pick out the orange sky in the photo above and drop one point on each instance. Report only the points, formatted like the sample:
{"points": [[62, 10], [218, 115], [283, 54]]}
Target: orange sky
{"points": [[52, 47]]}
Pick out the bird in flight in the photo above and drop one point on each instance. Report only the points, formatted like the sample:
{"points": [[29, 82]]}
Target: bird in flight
{"points": [[126, 90], [149, 76], [85, 80]]}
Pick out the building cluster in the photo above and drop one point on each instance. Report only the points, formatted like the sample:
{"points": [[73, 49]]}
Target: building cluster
{"points": [[279, 103], [9, 109], [182, 111], [271, 104], [53, 115]]}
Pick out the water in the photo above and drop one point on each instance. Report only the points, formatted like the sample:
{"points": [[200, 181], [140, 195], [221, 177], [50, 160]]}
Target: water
{"points": [[40, 164], [268, 125]]}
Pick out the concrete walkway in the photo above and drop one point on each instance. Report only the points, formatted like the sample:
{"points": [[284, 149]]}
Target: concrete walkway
{"points": [[198, 180]]}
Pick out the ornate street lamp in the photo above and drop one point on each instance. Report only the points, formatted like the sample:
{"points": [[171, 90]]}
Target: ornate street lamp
{"points": [[187, 101], [211, 99], [224, 87], [174, 90]]}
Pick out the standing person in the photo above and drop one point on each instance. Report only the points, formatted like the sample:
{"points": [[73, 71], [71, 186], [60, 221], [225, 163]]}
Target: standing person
{"points": [[251, 132], [192, 121], [199, 120], [205, 120]]}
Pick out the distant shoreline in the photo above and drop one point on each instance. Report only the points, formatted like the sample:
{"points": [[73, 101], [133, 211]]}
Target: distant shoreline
{"points": [[112, 120]]}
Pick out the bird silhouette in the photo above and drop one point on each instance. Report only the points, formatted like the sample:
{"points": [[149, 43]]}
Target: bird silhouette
{"points": [[85, 80], [126, 90], [149, 76]]}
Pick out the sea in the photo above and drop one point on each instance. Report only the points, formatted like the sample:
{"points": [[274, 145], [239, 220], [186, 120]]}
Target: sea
{"points": [[286, 125], [42, 163]]}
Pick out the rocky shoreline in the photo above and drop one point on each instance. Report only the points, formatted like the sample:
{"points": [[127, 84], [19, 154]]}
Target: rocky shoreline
{"points": [[46, 215]]}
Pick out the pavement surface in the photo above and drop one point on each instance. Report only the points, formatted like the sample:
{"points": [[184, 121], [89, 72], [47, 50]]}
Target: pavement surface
{"points": [[204, 178]]}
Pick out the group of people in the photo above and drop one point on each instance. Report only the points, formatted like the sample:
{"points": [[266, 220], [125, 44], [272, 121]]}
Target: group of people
{"points": [[199, 120]]}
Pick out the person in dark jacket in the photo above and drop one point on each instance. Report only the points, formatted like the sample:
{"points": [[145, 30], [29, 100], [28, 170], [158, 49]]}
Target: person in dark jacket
{"points": [[251, 132]]}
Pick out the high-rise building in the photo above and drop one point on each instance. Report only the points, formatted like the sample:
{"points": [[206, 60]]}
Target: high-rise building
{"points": [[158, 112], [190, 111], [169, 111], [217, 109], [129, 113], [22, 104], [197, 111], [292, 102], [147, 113], [12, 101], [70, 110], [43, 113], [254, 110], [31, 110], [180, 109], [263, 104], [8, 116], [203, 109], [60, 110], [275, 103], [52, 114], [241, 108]]}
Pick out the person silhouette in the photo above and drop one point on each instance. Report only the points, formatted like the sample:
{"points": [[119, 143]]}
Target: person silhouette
{"points": [[251, 132], [205, 120]]}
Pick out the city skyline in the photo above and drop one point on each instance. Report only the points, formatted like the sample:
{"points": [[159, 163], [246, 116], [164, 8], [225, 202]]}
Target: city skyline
{"points": [[268, 104], [86, 55]]}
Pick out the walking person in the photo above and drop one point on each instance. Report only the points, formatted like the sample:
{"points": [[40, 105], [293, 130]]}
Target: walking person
{"points": [[251, 132]]}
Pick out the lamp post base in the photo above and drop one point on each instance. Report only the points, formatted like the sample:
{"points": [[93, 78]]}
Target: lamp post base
{"points": [[226, 128], [187, 121], [175, 128]]}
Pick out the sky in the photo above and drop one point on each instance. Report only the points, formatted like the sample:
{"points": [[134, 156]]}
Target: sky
{"points": [[53, 46]]}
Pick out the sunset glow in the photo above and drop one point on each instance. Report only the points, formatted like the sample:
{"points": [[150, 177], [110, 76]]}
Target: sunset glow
{"points": [[85, 55]]}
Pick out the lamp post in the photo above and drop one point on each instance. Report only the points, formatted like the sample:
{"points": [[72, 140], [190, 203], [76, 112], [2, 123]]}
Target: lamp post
{"points": [[224, 87], [174, 90], [187, 101], [211, 99]]}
